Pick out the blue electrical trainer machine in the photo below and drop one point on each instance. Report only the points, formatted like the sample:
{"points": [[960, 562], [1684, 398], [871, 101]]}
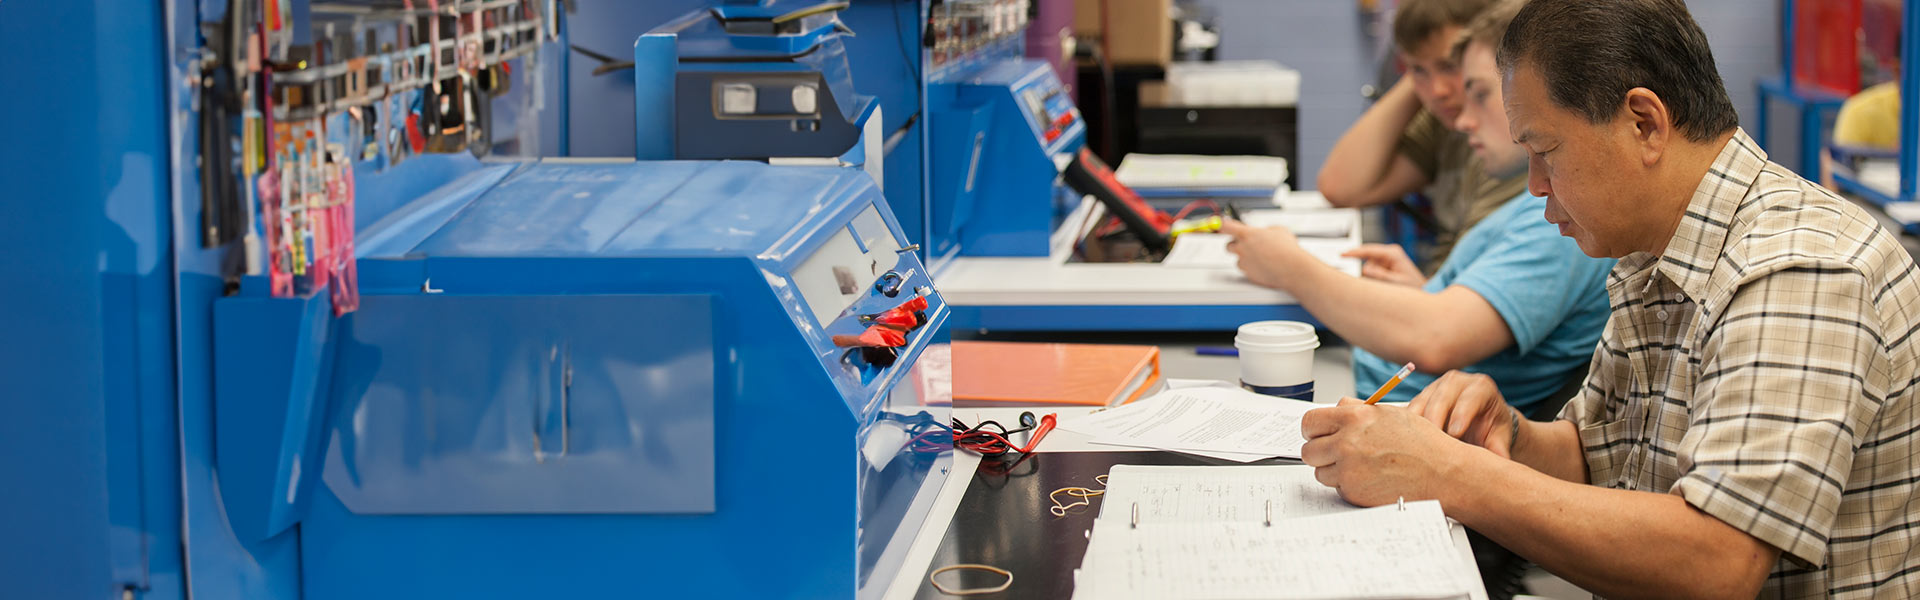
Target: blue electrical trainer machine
{"points": [[995, 133], [571, 380]]}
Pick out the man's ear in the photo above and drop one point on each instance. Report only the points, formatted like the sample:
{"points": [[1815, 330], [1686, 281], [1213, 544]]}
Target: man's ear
{"points": [[1645, 118]]}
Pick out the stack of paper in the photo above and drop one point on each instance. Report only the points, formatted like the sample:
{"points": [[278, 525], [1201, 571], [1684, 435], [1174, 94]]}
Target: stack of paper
{"points": [[1301, 200], [1183, 171], [1227, 423], [1881, 175], [1232, 83], [1904, 212], [1261, 532]]}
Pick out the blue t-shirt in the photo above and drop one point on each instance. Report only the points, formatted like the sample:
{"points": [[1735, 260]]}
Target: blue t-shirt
{"points": [[1552, 296]]}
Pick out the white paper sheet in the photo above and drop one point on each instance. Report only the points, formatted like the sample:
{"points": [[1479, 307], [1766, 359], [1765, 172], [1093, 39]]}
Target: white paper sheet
{"points": [[1327, 223], [1200, 419], [1176, 383], [1328, 251], [1232, 456], [1209, 251], [1395, 551], [1201, 250]]}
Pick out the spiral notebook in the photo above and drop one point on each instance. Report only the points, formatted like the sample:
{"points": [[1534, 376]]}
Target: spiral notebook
{"points": [[1262, 532]]}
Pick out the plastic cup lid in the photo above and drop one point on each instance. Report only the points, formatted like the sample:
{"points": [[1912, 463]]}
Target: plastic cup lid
{"points": [[1277, 336]]}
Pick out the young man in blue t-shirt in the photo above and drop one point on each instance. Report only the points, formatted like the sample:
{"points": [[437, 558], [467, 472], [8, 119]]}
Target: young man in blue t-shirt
{"points": [[1515, 300]]}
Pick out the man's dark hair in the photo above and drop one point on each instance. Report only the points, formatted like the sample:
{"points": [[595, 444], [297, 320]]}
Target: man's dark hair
{"points": [[1417, 20], [1590, 53]]}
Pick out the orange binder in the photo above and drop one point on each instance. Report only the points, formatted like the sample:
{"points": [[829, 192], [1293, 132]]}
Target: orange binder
{"points": [[1032, 373]]}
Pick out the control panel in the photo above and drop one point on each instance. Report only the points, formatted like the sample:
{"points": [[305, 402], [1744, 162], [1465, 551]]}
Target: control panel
{"points": [[1048, 107], [847, 265]]}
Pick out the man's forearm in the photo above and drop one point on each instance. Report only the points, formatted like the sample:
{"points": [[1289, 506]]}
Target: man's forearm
{"points": [[1552, 448], [1361, 158], [1452, 328], [1615, 543], [1395, 322]]}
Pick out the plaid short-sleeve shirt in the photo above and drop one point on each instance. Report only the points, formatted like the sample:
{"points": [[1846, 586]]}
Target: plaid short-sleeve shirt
{"points": [[1763, 367]]}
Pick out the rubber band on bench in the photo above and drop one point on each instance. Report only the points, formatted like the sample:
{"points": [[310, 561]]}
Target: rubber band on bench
{"points": [[933, 578], [1060, 510]]}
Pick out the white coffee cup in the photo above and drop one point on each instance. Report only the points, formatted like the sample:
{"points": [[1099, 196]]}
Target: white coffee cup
{"points": [[1276, 358]]}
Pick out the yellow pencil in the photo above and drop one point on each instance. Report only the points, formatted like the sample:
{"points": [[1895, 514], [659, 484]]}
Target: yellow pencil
{"points": [[1391, 381]]}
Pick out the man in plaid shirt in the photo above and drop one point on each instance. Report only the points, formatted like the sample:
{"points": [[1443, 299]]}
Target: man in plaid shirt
{"points": [[1748, 426]]}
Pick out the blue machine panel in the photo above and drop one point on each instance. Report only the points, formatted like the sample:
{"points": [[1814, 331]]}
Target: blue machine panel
{"points": [[527, 404], [995, 134], [572, 210], [273, 357]]}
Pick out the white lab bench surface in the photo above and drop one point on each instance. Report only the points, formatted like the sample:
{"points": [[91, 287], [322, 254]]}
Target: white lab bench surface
{"points": [[1056, 280], [1333, 379]]}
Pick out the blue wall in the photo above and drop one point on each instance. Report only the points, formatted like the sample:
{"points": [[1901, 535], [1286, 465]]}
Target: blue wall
{"points": [[1325, 41]]}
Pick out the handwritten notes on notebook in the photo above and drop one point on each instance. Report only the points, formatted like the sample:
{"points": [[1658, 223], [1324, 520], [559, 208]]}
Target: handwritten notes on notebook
{"points": [[1230, 423], [1203, 532], [1375, 553], [1192, 494]]}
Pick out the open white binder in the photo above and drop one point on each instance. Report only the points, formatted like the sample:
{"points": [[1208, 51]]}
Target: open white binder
{"points": [[1261, 532]]}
